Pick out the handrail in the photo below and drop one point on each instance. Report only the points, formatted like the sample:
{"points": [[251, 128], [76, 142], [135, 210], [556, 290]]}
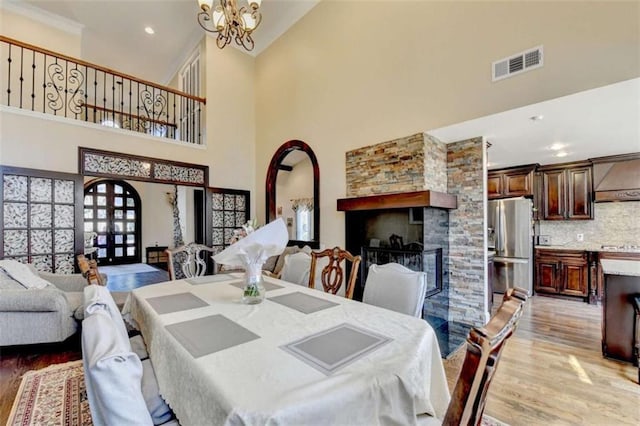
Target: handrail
{"points": [[139, 117], [98, 67], [48, 82]]}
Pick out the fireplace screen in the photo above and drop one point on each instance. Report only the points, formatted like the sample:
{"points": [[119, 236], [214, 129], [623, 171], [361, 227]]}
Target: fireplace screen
{"points": [[429, 261]]}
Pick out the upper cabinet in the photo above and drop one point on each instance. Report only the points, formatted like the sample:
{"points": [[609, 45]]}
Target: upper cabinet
{"points": [[511, 182], [565, 191]]}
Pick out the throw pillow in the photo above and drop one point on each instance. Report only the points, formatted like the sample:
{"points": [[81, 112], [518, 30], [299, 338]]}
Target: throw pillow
{"points": [[8, 283], [21, 273]]}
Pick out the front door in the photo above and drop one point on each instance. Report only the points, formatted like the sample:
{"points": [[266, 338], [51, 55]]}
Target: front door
{"points": [[112, 211]]}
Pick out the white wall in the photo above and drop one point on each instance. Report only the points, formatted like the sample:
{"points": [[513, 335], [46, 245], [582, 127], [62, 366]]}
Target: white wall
{"points": [[351, 74], [47, 142]]}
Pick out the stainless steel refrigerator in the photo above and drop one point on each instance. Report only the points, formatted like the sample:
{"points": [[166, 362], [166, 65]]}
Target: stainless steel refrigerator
{"points": [[510, 224]]}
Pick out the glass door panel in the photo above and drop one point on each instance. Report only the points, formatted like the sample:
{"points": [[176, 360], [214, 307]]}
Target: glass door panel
{"points": [[112, 211]]}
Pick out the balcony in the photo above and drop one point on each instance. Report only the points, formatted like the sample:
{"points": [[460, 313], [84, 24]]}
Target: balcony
{"points": [[47, 82]]}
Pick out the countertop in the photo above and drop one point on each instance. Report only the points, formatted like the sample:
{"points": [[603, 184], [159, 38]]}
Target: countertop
{"points": [[629, 268], [586, 247]]}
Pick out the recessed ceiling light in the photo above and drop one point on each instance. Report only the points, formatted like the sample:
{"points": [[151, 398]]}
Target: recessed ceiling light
{"points": [[149, 30], [536, 117], [556, 146], [562, 154]]}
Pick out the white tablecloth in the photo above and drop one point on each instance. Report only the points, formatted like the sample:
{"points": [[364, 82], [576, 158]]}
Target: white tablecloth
{"points": [[258, 382]]}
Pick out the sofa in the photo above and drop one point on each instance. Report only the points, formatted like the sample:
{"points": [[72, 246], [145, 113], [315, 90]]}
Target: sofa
{"points": [[40, 315]]}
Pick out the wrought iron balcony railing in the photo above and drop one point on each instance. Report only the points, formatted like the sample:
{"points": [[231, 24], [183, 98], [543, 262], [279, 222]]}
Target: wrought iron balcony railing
{"points": [[40, 80]]}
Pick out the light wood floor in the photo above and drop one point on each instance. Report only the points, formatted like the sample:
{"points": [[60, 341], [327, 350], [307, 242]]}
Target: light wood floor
{"points": [[552, 371]]}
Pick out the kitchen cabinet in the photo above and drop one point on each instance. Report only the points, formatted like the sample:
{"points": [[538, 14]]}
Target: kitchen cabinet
{"points": [[511, 182], [621, 285], [562, 272], [566, 192], [597, 275]]}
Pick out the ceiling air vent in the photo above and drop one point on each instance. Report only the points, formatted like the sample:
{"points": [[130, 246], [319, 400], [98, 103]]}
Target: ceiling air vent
{"points": [[518, 63]]}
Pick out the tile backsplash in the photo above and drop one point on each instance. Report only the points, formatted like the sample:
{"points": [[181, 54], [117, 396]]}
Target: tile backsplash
{"points": [[613, 223]]}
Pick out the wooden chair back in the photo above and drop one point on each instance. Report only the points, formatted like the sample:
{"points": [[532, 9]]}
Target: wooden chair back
{"points": [[636, 336], [188, 261], [484, 347], [332, 275], [89, 270]]}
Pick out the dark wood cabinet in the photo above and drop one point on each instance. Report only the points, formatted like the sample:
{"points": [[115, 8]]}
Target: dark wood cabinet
{"points": [[511, 182], [579, 184], [575, 277], [563, 272], [547, 275], [566, 192]]}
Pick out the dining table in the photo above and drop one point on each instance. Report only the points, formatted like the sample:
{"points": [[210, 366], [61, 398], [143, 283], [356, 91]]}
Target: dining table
{"points": [[301, 357]]}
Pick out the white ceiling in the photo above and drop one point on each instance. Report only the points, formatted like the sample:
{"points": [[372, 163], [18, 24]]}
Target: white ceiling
{"points": [[598, 122], [113, 33], [593, 123]]}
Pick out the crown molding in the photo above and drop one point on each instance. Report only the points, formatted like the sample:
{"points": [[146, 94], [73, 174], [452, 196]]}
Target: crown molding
{"points": [[42, 16]]}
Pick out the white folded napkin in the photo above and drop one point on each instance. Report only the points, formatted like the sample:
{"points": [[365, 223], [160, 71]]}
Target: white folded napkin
{"points": [[254, 249]]}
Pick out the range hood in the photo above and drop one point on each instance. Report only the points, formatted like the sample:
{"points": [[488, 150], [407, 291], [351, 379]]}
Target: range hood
{"points": [[616, 178], [399, 200]]}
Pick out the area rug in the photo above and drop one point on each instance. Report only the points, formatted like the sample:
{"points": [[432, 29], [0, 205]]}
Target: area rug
{"points": [[56, 396], [133, 268], [52, 396]]}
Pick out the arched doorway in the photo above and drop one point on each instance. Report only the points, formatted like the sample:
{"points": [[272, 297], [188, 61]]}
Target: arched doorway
{"points": [[112, 211]]}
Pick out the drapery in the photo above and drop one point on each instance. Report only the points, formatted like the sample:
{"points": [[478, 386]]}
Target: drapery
{"points": [[302, 204]]}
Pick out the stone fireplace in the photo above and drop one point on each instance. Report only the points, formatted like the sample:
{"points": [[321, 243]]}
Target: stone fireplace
{"points": [[416, 195]]}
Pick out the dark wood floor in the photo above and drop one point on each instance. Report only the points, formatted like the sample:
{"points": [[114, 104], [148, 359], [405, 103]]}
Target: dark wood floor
{"points": [[17, 360]]}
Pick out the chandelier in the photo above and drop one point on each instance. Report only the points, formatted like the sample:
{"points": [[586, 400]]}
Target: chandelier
{"points": [[229, 22]]}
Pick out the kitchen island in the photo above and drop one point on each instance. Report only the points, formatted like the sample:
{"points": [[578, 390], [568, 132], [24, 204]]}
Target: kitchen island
{"points": [[621, 285]]}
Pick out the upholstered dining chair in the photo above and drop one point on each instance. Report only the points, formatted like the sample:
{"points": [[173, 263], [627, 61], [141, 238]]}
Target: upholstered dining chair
{"points": [[296, 269], [397, 288], [484, 347], [188, 261], [332, 275]]}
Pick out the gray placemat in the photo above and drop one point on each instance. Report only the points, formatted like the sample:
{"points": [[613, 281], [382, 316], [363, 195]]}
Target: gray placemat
{"points": [[203, 336], [302, 302], [206, 279], [266, 284], [332, 349], [175, 302]]}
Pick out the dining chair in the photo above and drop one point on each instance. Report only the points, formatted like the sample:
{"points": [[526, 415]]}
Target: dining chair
{"points": [[332, 275], [89, 270], [296, 268], [636, 336], [188, 261], [484, 347], [397, 288]]}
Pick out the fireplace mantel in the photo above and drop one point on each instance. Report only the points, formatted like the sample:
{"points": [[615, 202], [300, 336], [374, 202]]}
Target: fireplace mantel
{"points": [[399, 200]]}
